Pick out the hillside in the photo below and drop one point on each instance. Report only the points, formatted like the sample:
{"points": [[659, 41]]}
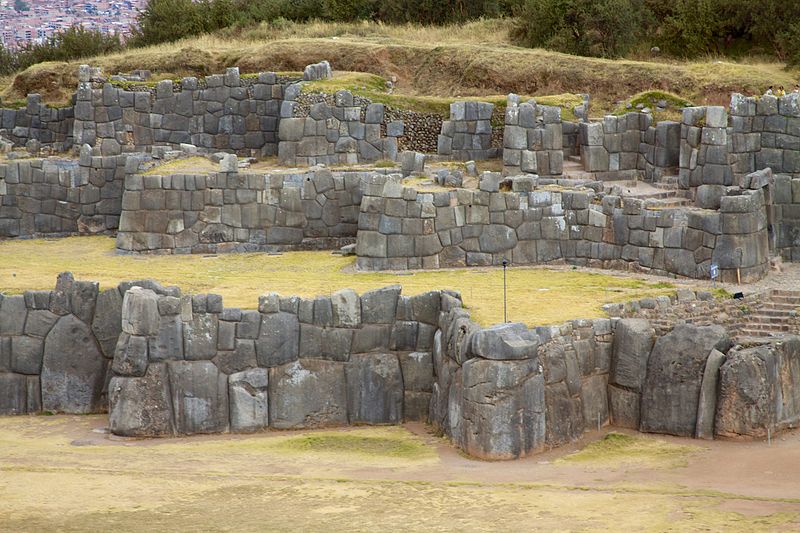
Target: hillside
{"points": [[470, 60]]}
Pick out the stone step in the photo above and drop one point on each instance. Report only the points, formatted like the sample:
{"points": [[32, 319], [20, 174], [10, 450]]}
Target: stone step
{"points": [[772, 312], [767, 319]]}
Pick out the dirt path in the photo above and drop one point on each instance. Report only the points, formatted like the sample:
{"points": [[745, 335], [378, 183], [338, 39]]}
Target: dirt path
{"points": [[63, 472]]}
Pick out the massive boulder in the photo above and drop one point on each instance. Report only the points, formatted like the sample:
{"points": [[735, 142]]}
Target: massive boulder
{"points": [[73, 369], [374, 389], [633, 341], [707, 404], [13, 394], [141, 407], [279, 340], [199, 397], [503, 410], [107, 323], [505, 341], [674, 375], [307, 393]]}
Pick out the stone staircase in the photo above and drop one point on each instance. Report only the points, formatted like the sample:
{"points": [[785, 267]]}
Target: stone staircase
{"points": [[778, 313]]}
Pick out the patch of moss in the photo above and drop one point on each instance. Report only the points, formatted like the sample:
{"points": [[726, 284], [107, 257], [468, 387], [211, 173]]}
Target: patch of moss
{"points": [[621, 448], [397, 446]]}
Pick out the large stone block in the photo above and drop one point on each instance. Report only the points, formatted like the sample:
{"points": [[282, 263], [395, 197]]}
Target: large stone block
{"points": [[564, 415], [417, 370], [379, 306], [505, 341], [107, 323], [13, 394], [346, 308], [130, 356], [200, 336], [12, 315], [374, 389], [141, 407], [624, 405], [503, 410], [248, 393], [199, 397], [707, 404], [26, 355], [279, 339], [633, 341], [73, 369], [674, 375], [307, 394], [140, 312]]}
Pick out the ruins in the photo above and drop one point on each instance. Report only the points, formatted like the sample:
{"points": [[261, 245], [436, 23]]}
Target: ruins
{"points": [[717, 193]]}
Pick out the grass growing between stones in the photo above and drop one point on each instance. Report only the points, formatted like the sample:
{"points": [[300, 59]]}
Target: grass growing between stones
{"points": [[187, 165], [619, 449], [536, 296]]}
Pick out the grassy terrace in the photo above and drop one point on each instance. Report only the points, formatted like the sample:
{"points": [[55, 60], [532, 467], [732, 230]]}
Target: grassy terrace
{"points": [[537, 296]]}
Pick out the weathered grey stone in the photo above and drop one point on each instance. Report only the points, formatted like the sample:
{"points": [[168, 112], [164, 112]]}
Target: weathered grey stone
{"points": [[594, 400], [417, 370], [624, 405], [131, 356], [249, 400], [503, 408], [425, 307], [380, 305], [12, 315], [140, 312], [346, 308], [73, 369], [375, 389], [241, 358], [200, 337], [141, 407], [13, 394], [371, 337], [307, 394], [505, 341], [564, 415], [26, 355], [633, 341], [674, 374], [416, 406], [279, 339], [496, 238], [707, 404], [107, 322], [199, 397], [169, 342]]}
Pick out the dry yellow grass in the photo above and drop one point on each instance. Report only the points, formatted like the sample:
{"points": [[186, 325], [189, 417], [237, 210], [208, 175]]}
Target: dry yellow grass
{"points": [[537, 296], [55, 474]]}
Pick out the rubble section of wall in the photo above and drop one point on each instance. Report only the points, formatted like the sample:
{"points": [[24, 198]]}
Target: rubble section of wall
{"points": [[229, 211], [336, 134], [468, 134], [216, 113], [188, 365], [58, 196], [317, 71], [56, 348], [532, 139], [765, 132], [401, 228], [51, 126]]}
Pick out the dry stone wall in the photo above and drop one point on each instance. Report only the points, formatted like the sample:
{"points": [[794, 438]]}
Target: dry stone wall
{"points": [[336, 134], [402, 228], [50, 126], [219, 112], [235, 211], [55, 196], [188, 365], [532, 139], [468, 134], [165, 363]]}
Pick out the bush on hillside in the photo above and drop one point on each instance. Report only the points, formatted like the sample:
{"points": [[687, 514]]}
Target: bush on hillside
{"points": [[73, 43]]}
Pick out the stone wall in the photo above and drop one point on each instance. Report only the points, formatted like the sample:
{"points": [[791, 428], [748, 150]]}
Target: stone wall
{"points": [[51, 126], [402, 228], [704, 148], [468, 134], [532, 139], [179, 364], [235, 211], [187, 365], [765, 132], [56, 196], [219, 112], [337, 134], [56, 347]]}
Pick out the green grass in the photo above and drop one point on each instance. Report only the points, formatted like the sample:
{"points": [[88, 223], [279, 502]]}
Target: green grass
{"points": [[537, 295], [390, 443], [618, 448]]}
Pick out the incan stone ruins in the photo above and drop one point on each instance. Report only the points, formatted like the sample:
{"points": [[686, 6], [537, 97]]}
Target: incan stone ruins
{"points": [[715, 195]]}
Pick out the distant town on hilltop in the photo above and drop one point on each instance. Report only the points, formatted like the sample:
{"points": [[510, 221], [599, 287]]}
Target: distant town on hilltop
{"points": [[31, 21]]}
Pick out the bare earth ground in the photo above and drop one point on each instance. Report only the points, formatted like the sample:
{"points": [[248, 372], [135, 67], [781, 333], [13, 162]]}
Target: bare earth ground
{"points": [[63, 473]]}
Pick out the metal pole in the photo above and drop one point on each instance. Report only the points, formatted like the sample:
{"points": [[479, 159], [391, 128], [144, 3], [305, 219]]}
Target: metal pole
{"points": [[505, 301]]}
